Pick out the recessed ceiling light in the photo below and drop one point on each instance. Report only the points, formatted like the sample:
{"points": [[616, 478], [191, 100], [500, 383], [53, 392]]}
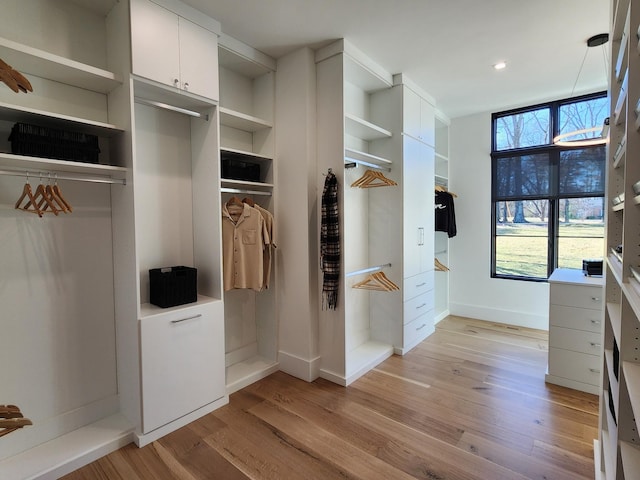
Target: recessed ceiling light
{"points": [[500, 65]]}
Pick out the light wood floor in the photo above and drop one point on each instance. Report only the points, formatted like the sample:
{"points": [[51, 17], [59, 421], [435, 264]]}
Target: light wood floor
{"points": [[470, 402]]}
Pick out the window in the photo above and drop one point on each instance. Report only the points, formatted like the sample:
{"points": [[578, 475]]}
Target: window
{"points": [[547, 200]]}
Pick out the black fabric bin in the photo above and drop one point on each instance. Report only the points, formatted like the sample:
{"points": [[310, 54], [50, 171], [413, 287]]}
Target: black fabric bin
{"points": [[38, 141], [172, 286], [240, 170]]}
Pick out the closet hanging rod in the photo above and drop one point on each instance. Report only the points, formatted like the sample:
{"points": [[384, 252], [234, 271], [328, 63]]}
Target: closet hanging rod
{"points": [[368, 270], [42, 174], [172, 108], [366, 164], [248, 192]]}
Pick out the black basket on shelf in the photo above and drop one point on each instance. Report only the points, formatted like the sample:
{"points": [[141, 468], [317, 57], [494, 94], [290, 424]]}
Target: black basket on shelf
{"points": [[235, 169], [173, 286], [39, 141]]}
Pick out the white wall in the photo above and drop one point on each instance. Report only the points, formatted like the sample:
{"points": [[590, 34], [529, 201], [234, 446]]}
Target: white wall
{"points": [[473, 293]]}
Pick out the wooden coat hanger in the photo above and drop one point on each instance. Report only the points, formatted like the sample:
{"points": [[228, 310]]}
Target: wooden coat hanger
{"points": [[14, 79], [440, 267], [249, 201], [44, 201], [377, 281], [371, 179], [28, 194], [11, 419], [59, 197], [440, 188]]}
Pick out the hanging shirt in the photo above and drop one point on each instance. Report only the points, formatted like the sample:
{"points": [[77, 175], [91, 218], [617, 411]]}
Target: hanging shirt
{"points": [[445, 215], [244, 236], [268, 251]]}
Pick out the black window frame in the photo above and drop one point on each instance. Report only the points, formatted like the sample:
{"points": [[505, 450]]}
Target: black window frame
{"points": [[553, 196]]}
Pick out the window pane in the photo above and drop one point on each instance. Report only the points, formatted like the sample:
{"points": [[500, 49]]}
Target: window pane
{"points": [[583, 115], [521, 238], [522, 176], [581, 231], [583, 171], [526, 129]]}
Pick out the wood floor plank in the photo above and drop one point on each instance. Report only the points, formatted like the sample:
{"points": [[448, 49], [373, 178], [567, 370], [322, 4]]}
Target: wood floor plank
{"points": [[468, 403]]}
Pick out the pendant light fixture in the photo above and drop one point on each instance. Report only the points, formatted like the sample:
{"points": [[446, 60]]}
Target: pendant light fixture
{"points": [[564, 139]]}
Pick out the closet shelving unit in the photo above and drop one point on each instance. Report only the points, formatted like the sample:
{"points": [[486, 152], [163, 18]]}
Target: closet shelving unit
{"points": [[247, 137], [360, 332], [441, 246], [618, 452], [71, 288]]}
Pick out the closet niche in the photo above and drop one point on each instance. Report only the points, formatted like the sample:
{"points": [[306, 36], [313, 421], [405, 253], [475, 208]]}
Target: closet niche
{"points": [[360, 332], [247, 156]]}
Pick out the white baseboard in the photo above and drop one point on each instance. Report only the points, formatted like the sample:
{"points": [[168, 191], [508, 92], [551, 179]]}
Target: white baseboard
{"points": [[302, 368], [509, 317]]}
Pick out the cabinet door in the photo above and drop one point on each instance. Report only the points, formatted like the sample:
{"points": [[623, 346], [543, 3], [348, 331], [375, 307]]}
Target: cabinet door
{"points": [[411, 113], [426, 201], [198, 60], [427, 122], [154, 42], [182, 357]]}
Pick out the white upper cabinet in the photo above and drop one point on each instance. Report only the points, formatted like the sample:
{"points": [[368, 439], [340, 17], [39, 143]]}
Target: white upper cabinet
{"points": [[173, 50], [419, 116]]}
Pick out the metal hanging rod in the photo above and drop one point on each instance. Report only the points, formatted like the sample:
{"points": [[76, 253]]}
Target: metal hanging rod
{"points": [[55, 176], [368, 270], [171, 108], [349, 161], [248, 192]]}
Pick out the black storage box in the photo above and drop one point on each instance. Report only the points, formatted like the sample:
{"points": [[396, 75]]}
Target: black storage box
{"points": [[240, 170], [38, 141], [172, 286], [592, 267]]}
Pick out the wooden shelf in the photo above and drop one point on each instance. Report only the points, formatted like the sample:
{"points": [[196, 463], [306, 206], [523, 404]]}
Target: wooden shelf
{"points": [[360, 128], [32, 61], [242, 121]]}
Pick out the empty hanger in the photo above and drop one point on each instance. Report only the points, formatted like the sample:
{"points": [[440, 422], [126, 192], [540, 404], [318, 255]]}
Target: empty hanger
{"points": [[31, 201], [372, 178], [377, 281], [440, 188], [440, 267], [11, 419]]}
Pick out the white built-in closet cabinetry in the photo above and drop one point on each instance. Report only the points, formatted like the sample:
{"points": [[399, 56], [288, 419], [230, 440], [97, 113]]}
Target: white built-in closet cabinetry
{"points": [[360, 126], [618, 454], [247, 139]]}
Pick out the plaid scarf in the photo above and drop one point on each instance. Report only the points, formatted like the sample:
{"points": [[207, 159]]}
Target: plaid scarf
{"points": [[330, 243]]}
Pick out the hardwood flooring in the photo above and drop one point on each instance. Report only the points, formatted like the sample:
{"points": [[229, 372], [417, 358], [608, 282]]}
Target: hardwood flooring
{"points": [[470, 402]]}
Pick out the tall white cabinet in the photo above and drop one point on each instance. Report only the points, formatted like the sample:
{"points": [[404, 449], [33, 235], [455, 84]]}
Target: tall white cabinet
{"points": [[619, 443]]}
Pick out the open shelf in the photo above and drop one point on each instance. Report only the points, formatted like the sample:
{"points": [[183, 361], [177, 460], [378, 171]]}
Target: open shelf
{"points": [[631, 373], [615, 317], [43, 64], [148, 310], [242, 121], [244, 373], [358, 156], [363, 129], [35, 164]]}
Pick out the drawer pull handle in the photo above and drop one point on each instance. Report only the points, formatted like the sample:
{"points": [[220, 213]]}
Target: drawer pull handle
{"points": [[594, 344], [188, 318], [420, 306], [421, 284], [595, 299], [596, 322], [421, 327], [594, 370]]}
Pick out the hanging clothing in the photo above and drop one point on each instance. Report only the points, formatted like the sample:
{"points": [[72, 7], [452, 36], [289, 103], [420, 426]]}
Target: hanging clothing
{"points": [[268, 251], [244, 237], [330, 243], [445, 215]]}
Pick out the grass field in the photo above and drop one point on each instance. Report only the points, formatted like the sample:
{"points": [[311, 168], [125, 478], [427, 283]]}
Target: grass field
{"points": [[521, 249]]}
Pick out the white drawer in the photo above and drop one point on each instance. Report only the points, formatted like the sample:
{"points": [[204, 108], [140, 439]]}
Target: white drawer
{"points": [[574, 317], [576, 296], [418, 330], [417, 285], [418, 306], [182, 358], [580, 367], [575, 340]]}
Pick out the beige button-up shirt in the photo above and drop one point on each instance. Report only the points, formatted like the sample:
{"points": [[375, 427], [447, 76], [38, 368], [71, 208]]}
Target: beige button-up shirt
{"points": [[244, 236]]}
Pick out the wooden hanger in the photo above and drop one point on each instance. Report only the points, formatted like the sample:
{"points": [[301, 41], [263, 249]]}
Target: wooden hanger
{"points": [[440, 267], [371, 179], [44, 201], [377, 281], [11, 419], [59, 197], [28, 193], [249, 201], [440, 188], [14, 79]]}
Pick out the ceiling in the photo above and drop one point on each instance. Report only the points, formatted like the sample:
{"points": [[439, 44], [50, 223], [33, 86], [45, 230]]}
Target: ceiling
{"points": [[447, 47]]}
